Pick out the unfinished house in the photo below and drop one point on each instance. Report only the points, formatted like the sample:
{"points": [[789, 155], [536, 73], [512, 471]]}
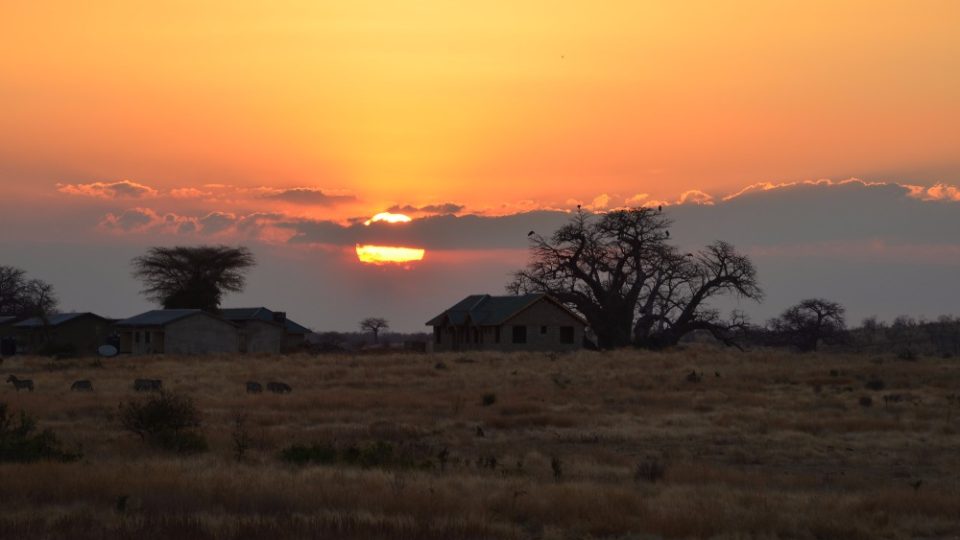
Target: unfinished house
{"points": [[531, 322], [265, 331], [177, 331]]}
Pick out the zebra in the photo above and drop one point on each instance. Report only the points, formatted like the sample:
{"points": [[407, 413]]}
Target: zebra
{"points": [[81, 386], [254, 387], [147, 385], [279, 387], [20, 383]]}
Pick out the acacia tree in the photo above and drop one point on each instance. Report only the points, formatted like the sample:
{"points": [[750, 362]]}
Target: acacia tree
{"points": [[20, 296], [809, 323], [618, 270], [374, 325], [192, 277]]}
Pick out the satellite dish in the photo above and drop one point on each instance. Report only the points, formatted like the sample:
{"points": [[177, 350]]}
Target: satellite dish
{"points": [[107, 351]]}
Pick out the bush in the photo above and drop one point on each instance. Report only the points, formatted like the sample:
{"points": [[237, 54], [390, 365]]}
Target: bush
{"points": [[378, 454], [167, 421], [489, 399], [19, 442], [649, 471]]}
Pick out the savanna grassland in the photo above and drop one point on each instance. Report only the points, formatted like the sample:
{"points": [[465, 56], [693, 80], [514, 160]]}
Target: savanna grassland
{"points": [[766, 444]]}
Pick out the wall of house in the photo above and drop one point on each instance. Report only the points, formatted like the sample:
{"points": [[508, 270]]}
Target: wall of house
{"points": [[261, 337], [534, 318], [293, 342], [201, 334], [81, 336]]}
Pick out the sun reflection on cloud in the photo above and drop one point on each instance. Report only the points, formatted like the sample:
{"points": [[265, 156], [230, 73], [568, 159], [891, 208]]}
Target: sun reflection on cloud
{"points": [[389, 218]]}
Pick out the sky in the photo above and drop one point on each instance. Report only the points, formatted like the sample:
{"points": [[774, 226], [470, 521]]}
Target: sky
{"points": [[286, 125]]}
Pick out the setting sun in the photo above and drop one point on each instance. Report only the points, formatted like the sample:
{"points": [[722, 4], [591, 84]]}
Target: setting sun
{"points": [[389, 218], [388, 254]]}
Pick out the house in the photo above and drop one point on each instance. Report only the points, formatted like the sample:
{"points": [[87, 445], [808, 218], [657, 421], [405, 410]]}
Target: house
{"points": [[265, 331], [63, 333], [8, 342], [177, 331], [531, 322]]}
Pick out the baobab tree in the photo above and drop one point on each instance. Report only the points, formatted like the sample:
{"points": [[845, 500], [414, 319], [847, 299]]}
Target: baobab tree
{"points": [[192, 277], [618, 270], [374, 325]]}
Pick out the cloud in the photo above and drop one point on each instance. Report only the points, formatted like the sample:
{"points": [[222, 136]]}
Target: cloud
{"points": [[443, 208], [216, 222], [305, 195], [109, 190], [937, 192], [189, 193], [695, 196], [134, 219], [637, 200]]}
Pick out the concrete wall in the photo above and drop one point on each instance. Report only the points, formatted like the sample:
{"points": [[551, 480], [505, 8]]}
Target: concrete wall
{"points": [[201, 334], [543, 321], [261, 337]]}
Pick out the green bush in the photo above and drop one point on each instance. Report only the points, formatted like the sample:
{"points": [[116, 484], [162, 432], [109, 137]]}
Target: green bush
{"points": [[20, 442], [166, 421]]}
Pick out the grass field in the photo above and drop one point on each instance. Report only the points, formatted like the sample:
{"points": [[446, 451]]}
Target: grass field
{"points": [[620, 445]]}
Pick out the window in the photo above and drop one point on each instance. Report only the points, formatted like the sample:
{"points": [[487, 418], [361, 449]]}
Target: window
{"points": [[146, 337], [519, 334], [566, 334], [543, 329], [437, 334], [476, 335], [496, 335], [136, 337]]}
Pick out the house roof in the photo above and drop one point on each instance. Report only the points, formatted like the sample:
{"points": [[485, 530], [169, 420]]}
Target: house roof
{"points": [[7, 319], [55, 319], [159, 317], [261, 314], [487, 310]]}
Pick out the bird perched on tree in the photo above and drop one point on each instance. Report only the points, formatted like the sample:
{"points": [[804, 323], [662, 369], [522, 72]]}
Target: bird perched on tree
{"points": [[668, 234], [531, 233], [659, 208]]}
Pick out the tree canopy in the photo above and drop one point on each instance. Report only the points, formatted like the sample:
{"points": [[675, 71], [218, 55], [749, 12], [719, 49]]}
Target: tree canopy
{"points": [[374, 325], [809, 323], [23, 297], [192, 277], [620, 272]]}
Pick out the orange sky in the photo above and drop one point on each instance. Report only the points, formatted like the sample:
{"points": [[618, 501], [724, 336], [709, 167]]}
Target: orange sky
{"points": [[481, 104]]}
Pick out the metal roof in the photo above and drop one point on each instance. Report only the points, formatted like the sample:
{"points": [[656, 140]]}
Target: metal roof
{"points": [[158, 317], [261, 314], [486, 310], [55, 319]]}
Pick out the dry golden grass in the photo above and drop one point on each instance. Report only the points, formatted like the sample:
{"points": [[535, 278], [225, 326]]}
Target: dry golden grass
{"points": [[776, 446]]}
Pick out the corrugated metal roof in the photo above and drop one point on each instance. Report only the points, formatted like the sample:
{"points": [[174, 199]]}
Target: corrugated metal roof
{"points": [[261, 314], [54, 320], [485, 310], [158, 317]]}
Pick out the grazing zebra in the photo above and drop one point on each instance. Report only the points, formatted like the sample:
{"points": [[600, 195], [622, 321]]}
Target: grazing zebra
{"points": [[279, 387], [20, 383], [81, 386], [254, 387], [147, 385]]}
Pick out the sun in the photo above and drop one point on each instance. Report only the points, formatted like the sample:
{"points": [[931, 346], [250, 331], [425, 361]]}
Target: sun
{"points": [[388, 254]]}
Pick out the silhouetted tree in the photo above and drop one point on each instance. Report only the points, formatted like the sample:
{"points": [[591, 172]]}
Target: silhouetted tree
{"points": [[20, 296], [374, 325], [619, 272], [809, 323], [192, 277]]}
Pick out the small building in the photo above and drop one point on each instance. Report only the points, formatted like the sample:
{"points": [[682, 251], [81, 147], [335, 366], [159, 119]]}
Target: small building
{"points": [[530, 322], [8, 341], [62, 333], [177, 331], [266, 331]]}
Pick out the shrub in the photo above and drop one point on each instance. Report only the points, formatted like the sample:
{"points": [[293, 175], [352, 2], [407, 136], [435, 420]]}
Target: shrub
{"points": [[166, 421], [306, 454], [866, 401], [378, 454], [650, 471], [875, 384], [20, 442], [489, 399]]}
